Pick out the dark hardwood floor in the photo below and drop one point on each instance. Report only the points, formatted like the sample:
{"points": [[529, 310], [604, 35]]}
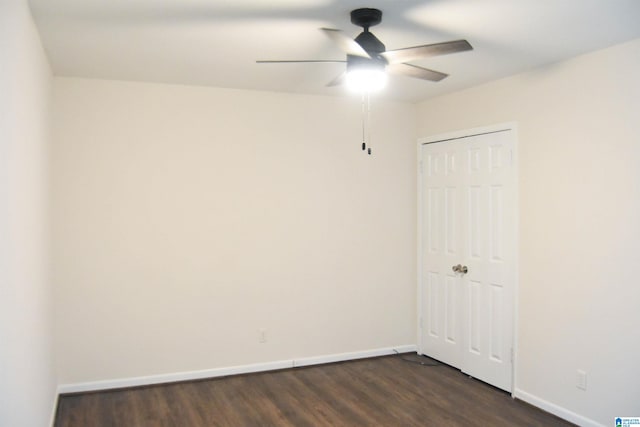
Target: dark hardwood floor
{"points": [[383, 391]]}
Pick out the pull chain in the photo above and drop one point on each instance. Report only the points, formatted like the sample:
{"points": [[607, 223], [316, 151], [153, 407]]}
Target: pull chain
{"points": [[364, 118], [366, 122], [369, 121]]}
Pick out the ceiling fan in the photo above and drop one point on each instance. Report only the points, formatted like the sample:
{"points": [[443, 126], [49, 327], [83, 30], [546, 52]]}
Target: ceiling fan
{"points": [[368, 60]]}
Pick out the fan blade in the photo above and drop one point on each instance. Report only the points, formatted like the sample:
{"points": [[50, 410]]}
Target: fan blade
{"points": [[348, 45], [416, 72], [425, 51], [338, 80], [286, 61]]}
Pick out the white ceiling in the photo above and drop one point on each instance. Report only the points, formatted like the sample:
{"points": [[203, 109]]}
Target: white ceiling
{"points": [[216, 42]]}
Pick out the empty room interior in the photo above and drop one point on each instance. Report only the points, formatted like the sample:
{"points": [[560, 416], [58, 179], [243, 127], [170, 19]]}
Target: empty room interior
{"points": [[189, 190]]}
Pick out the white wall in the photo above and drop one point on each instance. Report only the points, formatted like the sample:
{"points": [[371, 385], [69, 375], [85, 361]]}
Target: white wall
{"points": [[186, 218], [27, 380], [579, 141]]}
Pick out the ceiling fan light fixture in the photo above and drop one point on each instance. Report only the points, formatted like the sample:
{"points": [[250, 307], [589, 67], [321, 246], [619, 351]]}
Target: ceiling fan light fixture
{"points": [[368, 58], [363, 80]]}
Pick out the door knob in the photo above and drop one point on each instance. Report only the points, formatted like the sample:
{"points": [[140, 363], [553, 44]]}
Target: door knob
{"points": [[460, 269]]}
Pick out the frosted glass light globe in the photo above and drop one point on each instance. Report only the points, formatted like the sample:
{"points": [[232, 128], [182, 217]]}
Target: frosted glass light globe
{"points": [[365, 80]]}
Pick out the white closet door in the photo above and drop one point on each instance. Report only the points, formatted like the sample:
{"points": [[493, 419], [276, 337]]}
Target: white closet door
{"points": [[442, 248], [468, 223]]}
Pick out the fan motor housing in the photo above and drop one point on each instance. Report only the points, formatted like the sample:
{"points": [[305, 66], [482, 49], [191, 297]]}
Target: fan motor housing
{"points": [[373, 47], [370, 43]]}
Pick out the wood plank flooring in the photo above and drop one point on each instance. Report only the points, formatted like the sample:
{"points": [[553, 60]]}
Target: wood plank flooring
{"points": [[383, 391]]}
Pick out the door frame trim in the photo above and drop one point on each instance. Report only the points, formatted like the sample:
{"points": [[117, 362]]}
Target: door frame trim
{"points": [[459, 134]]}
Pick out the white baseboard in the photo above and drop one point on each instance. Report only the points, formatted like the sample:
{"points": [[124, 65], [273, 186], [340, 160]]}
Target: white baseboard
{"points": [[555, 409], [232, 370], [319, 360]]}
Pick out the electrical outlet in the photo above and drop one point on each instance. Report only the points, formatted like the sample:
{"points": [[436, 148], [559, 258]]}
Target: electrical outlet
{"points": [[262, 335], [581, 379]]}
